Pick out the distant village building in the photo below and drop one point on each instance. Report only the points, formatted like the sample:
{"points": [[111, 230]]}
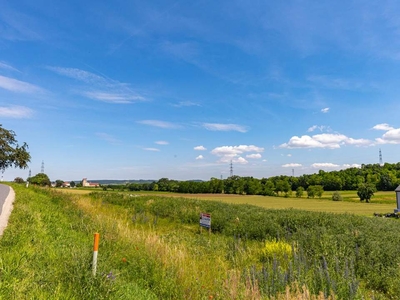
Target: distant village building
{"points": [[85, 183], [66, 184]]}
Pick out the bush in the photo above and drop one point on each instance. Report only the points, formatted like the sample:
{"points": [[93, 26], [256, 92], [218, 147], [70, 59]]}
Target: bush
{"points": [[336, 196]]}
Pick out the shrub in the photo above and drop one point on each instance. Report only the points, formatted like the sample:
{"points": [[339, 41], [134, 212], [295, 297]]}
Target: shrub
{"points": [[336, 196]]}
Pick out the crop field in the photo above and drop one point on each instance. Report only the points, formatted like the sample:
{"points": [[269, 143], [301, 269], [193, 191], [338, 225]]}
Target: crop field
{"points": [[151, 248], [382, 202]]}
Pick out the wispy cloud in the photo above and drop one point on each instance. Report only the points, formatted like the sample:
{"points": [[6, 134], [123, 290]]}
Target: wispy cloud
{"points": [[200, 148], [151, 149], [8, 67], [18, 86], [113, 98], [161, 142], [108, 138], [320, 128], [224, 127], [100, 87], [160, 124], [324, 140], [15, 112], [199, 157], [185, 104]]}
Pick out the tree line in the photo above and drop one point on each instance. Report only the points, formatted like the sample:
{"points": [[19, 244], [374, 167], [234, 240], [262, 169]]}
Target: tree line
{"points": [[375, 176]]}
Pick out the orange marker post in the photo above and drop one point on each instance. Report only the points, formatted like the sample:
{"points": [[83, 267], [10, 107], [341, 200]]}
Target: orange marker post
{"points": [[95, 251]]}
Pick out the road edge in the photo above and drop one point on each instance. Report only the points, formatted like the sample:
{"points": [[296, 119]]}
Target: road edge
{"points": [[7, 208]]}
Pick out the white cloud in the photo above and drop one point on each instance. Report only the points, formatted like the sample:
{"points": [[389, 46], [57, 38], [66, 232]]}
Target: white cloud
{"points": [[16, 112], [392, 136], [346, 166], [325, 110], [324, 166], [289, 155], [232, 153], [292, 165], [17, 86], [199, 157], [254, 155], [324, 140], [161, 124], [151, 149], [224, 127], [161, 142], [200, 148], [383, 126], [264, 160]]}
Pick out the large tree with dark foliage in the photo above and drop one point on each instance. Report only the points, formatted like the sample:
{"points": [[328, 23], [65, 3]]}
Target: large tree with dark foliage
{"points": [[12, 154]]}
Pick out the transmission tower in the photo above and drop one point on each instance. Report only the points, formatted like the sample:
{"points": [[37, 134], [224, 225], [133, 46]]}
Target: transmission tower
{"points": [[380, 157], [231, 169], [30, 173], [42, 168], [293, 172]]}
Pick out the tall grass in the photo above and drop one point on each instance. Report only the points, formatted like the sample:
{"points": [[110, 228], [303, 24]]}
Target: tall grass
{"points": [[151, 248]]}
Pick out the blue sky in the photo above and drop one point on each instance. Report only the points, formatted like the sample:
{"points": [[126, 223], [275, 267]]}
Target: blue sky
{"points": [[178, 89]]}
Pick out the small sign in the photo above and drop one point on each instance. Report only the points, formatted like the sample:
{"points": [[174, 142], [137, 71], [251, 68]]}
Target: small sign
{"points": [[205, 220]]}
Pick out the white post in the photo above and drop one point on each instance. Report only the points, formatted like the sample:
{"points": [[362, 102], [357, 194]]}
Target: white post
{"points": [[95, 251]]}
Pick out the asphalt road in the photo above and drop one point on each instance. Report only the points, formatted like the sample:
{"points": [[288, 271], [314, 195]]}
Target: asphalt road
{"points": [[7, 197], [4, 191]]}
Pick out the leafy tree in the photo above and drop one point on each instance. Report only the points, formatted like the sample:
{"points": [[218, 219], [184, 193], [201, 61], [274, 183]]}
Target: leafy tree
{"points": [[299, 192], [59, 183], [315, 190], [19, 180], [40, 179], [72, 184], [11, 154], [336, 196], [366, 191]]}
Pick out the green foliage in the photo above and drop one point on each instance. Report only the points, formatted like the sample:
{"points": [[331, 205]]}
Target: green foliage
{"points": [[336, 196], [11, 154], [72, 184], [365, 191], [335, 252], [19, 180], [40, 179], [315, 191], [299, 192], [59, 183], [46, 250]]}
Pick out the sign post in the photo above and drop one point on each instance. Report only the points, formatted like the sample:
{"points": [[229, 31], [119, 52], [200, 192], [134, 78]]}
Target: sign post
{"points": [[205, 221]]}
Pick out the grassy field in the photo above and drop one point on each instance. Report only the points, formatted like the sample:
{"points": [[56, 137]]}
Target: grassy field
{"points": [[382, 202], [151, 248]]}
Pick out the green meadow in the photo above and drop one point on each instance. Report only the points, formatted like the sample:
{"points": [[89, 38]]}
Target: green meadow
{"points": [[151, 247]]}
